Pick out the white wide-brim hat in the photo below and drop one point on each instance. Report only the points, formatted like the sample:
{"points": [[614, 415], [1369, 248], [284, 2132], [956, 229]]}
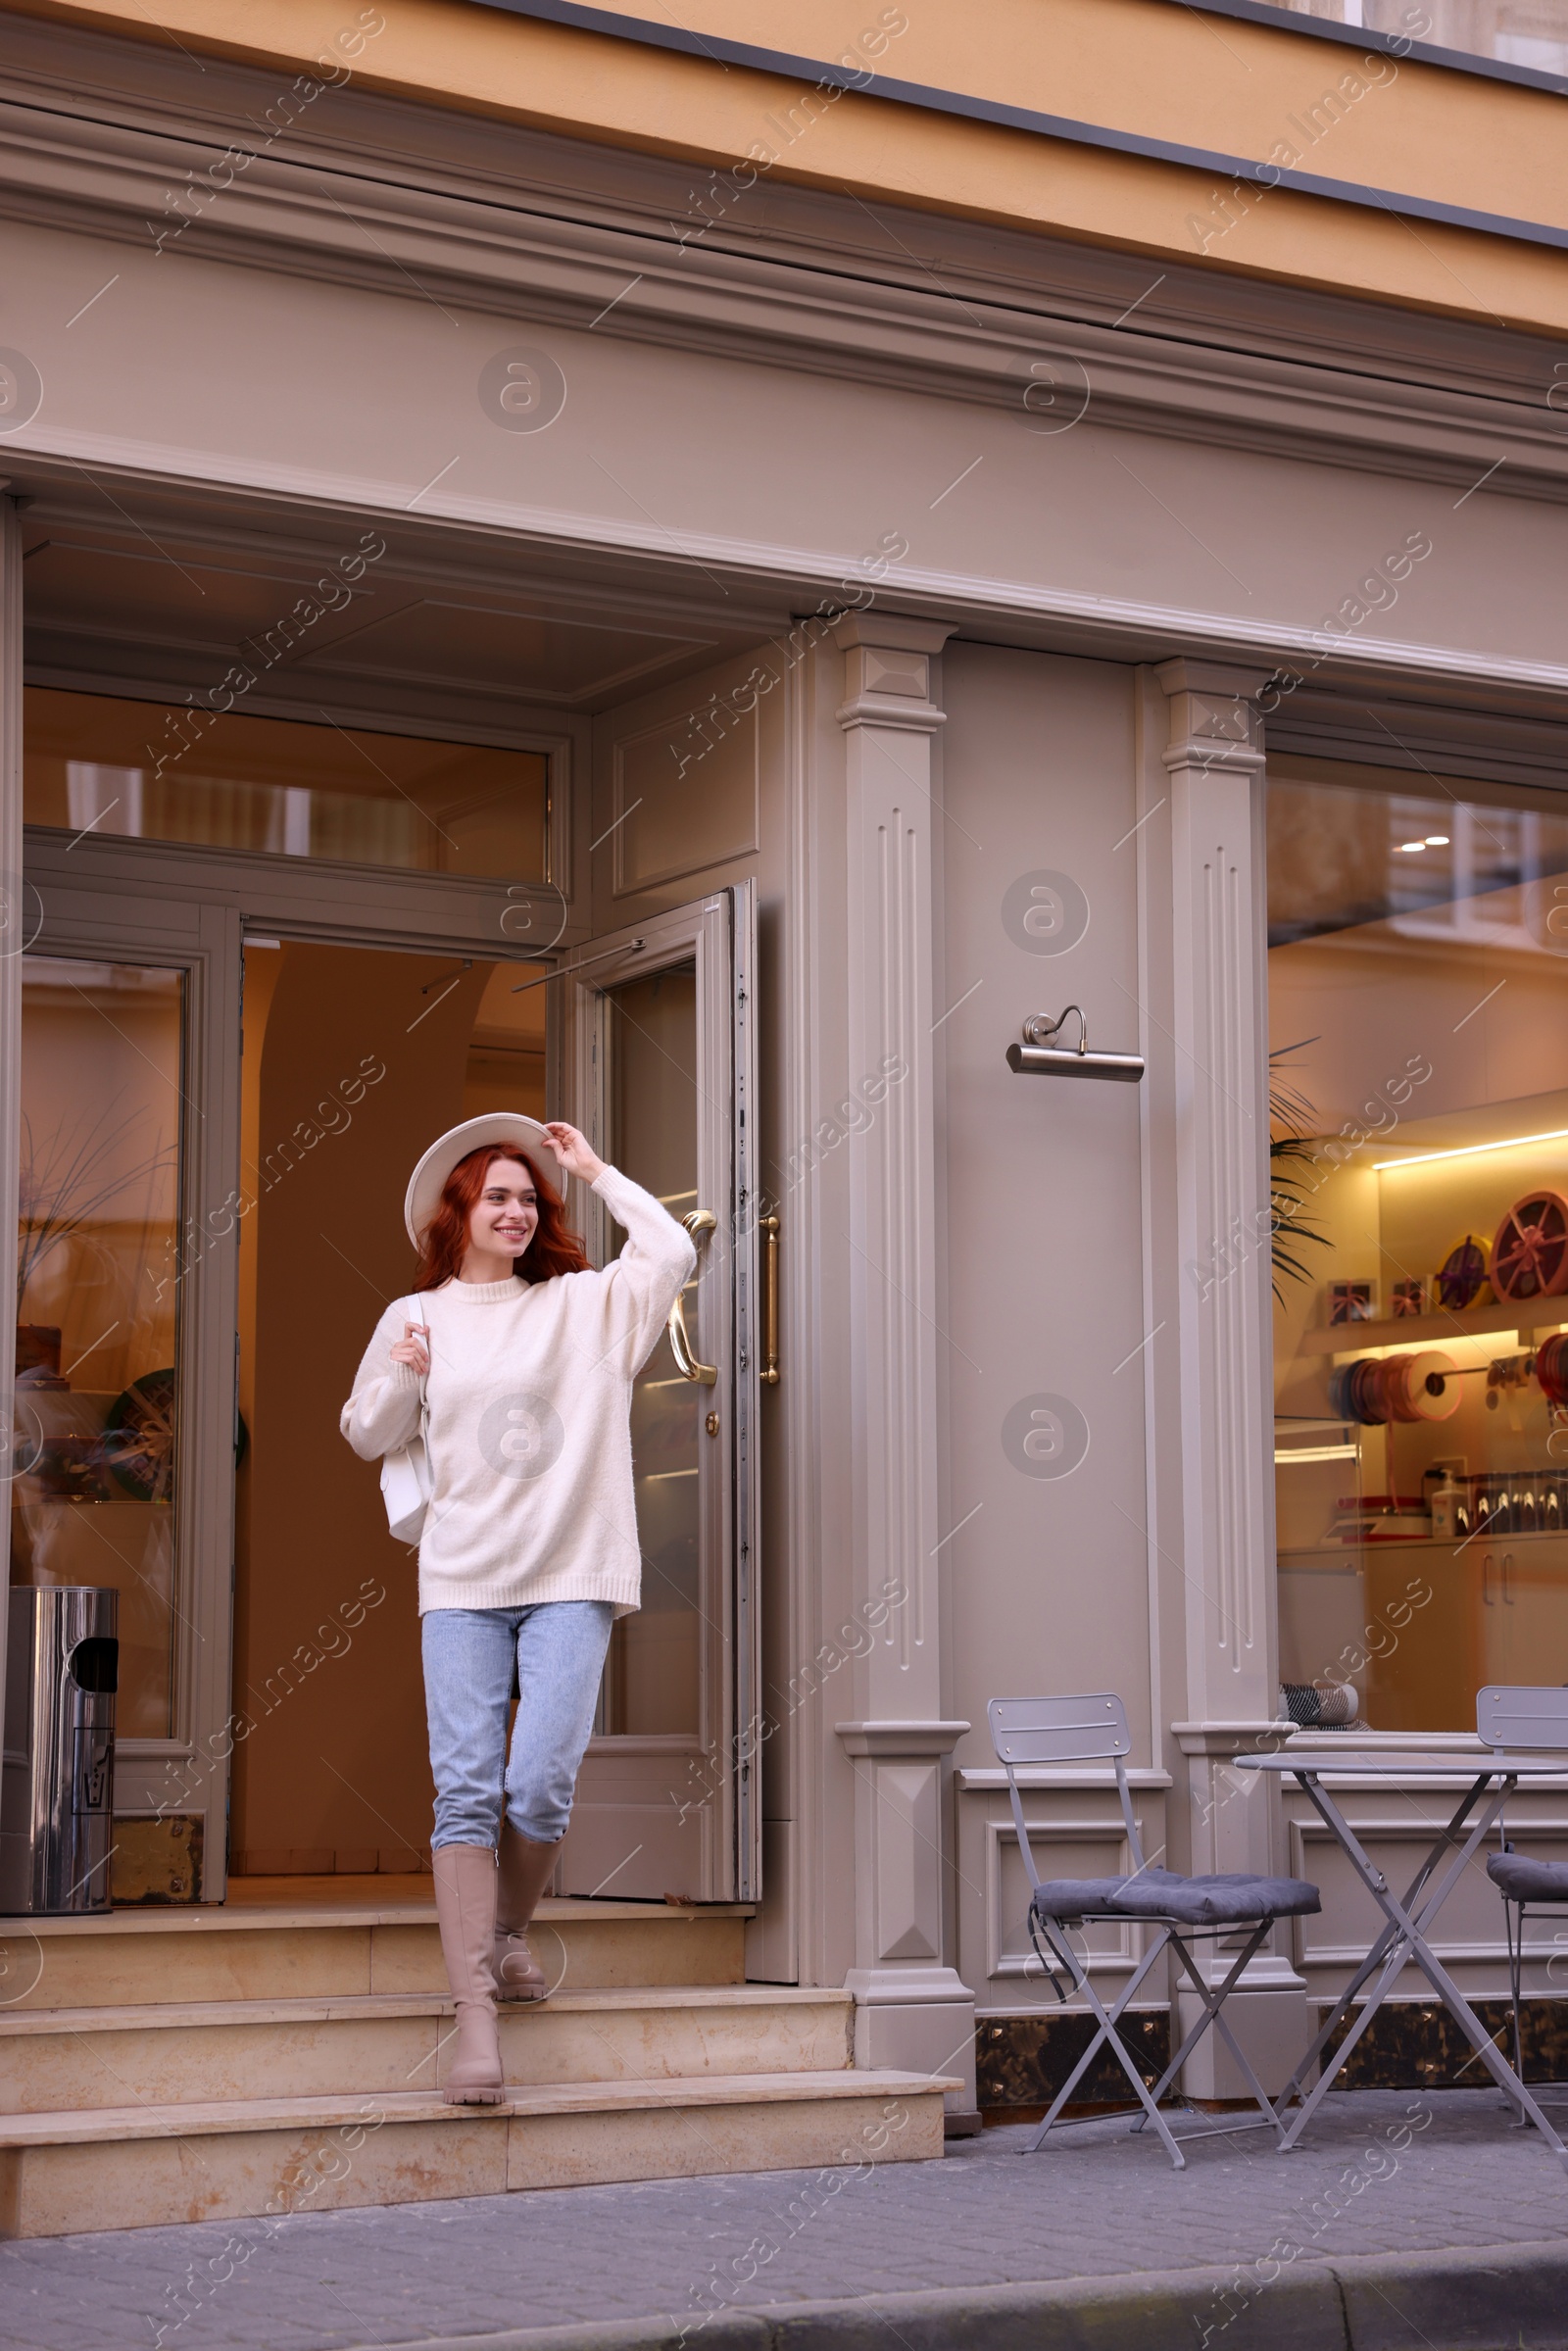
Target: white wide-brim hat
{"points": [[425, 1184]]}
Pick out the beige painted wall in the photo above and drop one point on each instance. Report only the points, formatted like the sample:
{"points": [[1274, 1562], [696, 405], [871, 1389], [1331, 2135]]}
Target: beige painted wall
{"points": [[1045, 1258], [1048, 1582]]}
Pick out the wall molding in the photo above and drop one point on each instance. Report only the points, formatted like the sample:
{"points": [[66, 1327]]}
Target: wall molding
{"points": [[1066, 1776], [1122, 1955], [96, 131]]}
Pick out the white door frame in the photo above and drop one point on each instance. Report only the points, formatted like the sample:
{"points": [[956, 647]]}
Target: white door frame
{"points": [[188, 1771]]}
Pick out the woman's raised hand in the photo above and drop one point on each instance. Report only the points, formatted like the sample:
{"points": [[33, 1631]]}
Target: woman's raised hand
{"points": [[412, 1349], [573, 1151]]}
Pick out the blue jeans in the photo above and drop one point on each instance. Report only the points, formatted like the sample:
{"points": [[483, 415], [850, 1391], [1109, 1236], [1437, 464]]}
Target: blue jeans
{"points": [[559, 1650]]}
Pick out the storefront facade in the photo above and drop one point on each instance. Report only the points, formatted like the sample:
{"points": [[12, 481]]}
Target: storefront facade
{"points": [[474, 637]]}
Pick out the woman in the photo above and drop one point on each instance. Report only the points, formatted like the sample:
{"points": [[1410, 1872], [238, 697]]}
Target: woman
{"points": [[529, 1550]]}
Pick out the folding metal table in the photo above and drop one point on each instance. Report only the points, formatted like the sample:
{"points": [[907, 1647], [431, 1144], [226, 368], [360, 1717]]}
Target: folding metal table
{"points": [[1407, 1920]]}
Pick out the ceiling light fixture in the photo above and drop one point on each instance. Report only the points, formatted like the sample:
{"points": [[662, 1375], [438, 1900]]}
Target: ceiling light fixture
{"points": [[1468, 1151], [1437, 841]]}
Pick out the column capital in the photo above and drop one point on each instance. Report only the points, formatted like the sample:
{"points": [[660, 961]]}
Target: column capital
{"points": [[1215, 719], [886, 671], [1183, 675], [894, 630]]}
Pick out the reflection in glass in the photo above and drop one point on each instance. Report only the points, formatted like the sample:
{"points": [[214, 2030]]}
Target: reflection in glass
{"points": [[1419, 1069], [1516, 32], [652, 1677], [95, 763], [93, 1498]]}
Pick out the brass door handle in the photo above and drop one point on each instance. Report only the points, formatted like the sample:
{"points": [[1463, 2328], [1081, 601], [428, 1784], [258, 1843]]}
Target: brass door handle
{"points": [[770, 1228], [696, 1221]]}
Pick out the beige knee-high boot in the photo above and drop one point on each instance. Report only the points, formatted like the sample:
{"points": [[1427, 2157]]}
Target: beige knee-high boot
{"points": [[525, 1869], [465, 1880]]}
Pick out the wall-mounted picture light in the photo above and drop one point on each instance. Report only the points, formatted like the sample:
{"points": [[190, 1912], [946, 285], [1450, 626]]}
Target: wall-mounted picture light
{"points": [[1045, 1060]]}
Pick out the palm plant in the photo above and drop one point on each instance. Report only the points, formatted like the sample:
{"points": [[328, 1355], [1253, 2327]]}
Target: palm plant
{"points": [[1290, 1117], [67, 1181]]}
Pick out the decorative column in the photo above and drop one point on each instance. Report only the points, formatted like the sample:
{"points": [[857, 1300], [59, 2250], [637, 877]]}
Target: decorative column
{"points": [[1214, 761], [911, 2011], [14, 928]]}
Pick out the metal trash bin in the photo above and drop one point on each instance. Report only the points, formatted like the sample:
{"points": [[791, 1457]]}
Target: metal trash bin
{"points": [[57, 1787]]}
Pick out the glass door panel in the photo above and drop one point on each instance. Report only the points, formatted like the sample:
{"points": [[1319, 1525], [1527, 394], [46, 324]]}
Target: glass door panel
{"points": [[651, 1676], [657, 1059], [95, 1497]]}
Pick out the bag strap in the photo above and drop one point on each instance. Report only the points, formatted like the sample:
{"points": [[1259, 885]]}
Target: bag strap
{"points": [[423, 1321]]}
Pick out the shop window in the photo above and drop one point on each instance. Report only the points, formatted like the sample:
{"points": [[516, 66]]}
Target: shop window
{"points": [[1518, 32], [94, 1494], [1418, 1033], [94, 763]]}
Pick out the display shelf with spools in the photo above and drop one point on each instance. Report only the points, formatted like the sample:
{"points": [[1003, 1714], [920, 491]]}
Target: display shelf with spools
{"points": [[1418, 1161], [1375, 1389], [1428, 1553], [1341, 1340], [1517, 1280]]}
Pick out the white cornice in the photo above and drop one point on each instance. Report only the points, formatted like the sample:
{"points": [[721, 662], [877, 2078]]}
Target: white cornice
{"points": [[375, 191]]}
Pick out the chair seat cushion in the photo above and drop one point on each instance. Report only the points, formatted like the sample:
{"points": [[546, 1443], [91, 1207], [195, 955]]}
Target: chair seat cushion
{"points": [[1212, 1901], [1071, 1898], [1527, 1881]]}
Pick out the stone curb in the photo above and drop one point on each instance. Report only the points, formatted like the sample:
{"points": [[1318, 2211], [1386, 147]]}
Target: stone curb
{"points": [[1457, 2299]]}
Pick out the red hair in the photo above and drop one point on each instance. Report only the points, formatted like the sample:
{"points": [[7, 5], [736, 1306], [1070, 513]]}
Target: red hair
{"points": [[555, 1248]]}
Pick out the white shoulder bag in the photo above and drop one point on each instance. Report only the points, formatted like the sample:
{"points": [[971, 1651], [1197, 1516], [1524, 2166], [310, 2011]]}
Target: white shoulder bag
{"points": [[405, 1480]]}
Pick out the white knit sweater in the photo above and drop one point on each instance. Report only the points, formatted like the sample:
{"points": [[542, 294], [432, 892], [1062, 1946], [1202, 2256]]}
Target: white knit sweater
{"points": [[530, 1419]]}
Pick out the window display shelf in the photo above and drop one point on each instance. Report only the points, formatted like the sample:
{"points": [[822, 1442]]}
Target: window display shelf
{"points": [[1528, 1321], [1340, 1553]]}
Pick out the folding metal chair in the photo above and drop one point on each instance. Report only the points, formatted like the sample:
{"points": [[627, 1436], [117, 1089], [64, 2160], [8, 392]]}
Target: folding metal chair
{"points": [[1183, 1910], [1511, 1721]]}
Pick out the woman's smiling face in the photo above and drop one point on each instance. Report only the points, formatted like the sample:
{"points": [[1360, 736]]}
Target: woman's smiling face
{"points": [[506, 1215]]}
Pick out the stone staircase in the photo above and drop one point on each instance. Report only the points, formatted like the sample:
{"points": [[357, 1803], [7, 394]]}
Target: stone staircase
{"points": [[160, 2066]]}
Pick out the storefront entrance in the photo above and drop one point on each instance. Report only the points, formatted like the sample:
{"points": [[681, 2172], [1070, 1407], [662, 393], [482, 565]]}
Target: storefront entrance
{"points": [[252, 996]]}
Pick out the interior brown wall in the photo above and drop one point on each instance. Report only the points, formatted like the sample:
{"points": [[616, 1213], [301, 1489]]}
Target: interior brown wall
{"points": [[333, 1772]]}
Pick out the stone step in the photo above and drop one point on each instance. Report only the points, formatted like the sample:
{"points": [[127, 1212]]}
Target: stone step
{"points": [[59, 2060], [145, 2165], [327, 1951]]}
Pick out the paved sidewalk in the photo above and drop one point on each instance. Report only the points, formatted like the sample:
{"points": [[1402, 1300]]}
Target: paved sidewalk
{"points": [[1382, 2172]]}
